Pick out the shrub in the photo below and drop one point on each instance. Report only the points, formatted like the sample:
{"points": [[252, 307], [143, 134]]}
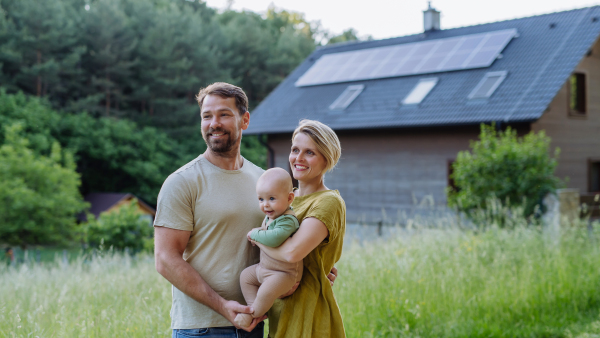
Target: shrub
{"points": [[39, 195], [501, 166], [124, 228]]}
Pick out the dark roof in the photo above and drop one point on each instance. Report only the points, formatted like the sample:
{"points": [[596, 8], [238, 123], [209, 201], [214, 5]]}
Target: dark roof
{"points": [[102, 201], [538, 63]]}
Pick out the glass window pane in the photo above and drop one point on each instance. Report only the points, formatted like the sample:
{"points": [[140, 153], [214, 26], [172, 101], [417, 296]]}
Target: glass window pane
{"points": [[420, 91]]}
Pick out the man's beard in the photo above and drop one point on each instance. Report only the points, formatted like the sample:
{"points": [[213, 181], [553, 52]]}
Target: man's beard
{"points": [[220, 146]]}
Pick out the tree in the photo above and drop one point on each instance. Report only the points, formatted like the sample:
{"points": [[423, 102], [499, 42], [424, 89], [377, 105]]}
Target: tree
{"points": [[120, 229], [111, 155], [41, 46], [39, 196], [347, 35], [501, 165]]}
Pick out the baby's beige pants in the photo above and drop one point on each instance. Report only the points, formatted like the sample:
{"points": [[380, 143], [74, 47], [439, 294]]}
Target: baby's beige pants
{"points": [[264, 282]]}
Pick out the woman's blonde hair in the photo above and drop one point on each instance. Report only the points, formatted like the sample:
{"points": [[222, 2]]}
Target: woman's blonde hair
{"points": [[324, 138]]}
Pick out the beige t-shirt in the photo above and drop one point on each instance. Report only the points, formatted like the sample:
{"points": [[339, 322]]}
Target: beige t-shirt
{"points": [[219, 207]]}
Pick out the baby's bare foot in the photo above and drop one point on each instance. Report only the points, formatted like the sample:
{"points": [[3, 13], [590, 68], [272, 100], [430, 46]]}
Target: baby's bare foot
{"points": [[243, 319]]}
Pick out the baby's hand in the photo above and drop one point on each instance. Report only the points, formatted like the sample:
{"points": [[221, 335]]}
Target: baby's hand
{"points": [[248, 235]]}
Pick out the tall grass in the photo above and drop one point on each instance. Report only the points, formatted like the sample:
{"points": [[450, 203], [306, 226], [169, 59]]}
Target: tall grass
{"points": [[450, 283], [111, 296], [424, 283]]}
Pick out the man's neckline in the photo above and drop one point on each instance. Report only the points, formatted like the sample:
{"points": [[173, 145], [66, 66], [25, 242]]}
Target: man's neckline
{"points": [[241, 168]]}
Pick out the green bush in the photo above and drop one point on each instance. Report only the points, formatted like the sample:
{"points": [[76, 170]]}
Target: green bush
{"points": [[124, 228], [39, 195], [517, 171]]}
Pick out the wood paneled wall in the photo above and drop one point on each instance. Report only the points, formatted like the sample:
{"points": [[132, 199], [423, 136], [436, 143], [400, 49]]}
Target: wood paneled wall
{"points": [[577, 137]]}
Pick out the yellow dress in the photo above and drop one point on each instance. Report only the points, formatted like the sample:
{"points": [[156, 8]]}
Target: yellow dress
{"points": [[312, 310]]}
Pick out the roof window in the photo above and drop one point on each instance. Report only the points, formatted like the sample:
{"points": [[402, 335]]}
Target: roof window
{"points": [[347, 97], [486, 87], [423, 87]]}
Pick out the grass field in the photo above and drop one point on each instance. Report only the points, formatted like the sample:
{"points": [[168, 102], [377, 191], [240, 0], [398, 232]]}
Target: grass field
{"points": [[424, 283]]}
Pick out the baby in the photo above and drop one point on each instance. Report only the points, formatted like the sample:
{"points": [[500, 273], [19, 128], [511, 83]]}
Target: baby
{"points": [[264, 282]]}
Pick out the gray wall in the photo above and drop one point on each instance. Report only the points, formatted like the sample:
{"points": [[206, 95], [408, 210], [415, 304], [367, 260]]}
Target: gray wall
{"points": [[392, 170]]}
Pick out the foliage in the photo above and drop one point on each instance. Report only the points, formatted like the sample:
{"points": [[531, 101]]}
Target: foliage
{"points": [[39, 195], [347, 35], [503, 166], [120, 229], [145, 59], [111, 155]]}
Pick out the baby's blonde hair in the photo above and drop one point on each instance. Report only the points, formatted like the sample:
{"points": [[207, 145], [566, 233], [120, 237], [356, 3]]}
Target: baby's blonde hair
{"points": [[279, 177], [324, 138]]}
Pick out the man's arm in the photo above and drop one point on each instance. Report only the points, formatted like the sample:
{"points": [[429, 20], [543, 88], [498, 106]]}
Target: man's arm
{"points": [[169, 247]]}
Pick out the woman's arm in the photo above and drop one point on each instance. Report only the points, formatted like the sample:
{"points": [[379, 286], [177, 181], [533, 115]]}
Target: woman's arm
{"points": [[311, 233]]}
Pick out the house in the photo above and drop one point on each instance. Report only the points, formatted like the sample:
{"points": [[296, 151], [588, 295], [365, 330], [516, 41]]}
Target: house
{"points": [[404, 107], [103, 202]]}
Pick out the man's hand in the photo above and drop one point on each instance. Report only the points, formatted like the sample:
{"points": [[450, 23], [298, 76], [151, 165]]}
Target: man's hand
{"points": [[332, 275], [230, 309]]}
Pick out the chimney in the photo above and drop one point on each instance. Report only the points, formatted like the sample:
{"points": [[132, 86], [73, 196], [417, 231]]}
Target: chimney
{"points": [[431, 19]]}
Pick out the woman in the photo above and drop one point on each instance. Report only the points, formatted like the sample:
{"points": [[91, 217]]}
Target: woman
{"points": [[312, 310]]}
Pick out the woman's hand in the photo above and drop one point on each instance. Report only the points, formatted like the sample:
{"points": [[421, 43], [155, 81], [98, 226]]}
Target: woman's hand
{"points": [[332, 275]]}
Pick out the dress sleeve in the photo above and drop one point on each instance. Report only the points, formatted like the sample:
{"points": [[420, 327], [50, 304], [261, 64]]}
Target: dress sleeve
{"points": [[331, 210], [284, 228], [174, 207]]}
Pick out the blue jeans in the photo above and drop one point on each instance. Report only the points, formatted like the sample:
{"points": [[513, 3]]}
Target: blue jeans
{"points": [[220, 332]]}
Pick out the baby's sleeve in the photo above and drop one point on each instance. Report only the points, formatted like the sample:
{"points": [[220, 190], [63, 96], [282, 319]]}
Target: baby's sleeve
{"points": [[273, 238]]}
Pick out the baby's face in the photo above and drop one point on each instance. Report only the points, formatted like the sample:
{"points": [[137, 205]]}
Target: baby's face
{"points": [[273, 199]]}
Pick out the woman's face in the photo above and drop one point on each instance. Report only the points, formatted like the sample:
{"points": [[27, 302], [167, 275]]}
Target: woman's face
{"points": [[306, 161]]}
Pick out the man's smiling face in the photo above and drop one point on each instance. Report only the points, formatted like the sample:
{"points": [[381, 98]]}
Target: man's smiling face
{"points": [[222, 124]]}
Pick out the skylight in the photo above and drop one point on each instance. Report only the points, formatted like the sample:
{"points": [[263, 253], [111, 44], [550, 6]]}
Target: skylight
{"points": [[486, 87], [347, 97], [420, 91]]}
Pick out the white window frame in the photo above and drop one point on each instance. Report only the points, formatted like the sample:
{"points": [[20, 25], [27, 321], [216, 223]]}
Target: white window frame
{"points": [[343, 101], [489, 93], [420, 91]]}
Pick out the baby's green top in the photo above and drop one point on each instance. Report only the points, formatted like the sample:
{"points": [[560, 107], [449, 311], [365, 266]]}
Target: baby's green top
{"points": [[280, 229]]}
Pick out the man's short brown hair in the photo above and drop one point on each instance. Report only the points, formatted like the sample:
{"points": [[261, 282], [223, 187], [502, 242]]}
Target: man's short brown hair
{"points": [[225, 90]]}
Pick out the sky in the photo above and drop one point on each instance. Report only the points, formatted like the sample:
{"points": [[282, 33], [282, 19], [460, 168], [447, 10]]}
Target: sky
{"points": [[390, 18]]}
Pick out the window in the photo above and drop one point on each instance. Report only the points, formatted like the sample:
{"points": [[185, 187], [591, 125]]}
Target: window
{"points": [[594, 175], [486, 87], [347, 97], [423, 87], [577, 99]]}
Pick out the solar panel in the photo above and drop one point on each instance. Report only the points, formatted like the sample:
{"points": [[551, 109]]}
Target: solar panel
{"points": [[432, 56]]}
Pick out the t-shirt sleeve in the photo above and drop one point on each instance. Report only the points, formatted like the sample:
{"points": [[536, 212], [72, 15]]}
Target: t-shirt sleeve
{"points": [[284, 228], [330, 210], [174, 207]]}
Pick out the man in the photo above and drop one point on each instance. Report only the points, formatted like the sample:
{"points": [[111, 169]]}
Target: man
{"points": [[204, 211]]}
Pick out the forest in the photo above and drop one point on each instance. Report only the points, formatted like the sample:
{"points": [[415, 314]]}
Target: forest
{"points": [[121, 77], [99, 95]]}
